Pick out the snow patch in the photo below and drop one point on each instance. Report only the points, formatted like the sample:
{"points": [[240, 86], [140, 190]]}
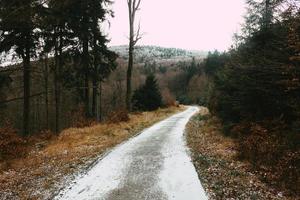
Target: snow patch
{"points": [[179, 178]]}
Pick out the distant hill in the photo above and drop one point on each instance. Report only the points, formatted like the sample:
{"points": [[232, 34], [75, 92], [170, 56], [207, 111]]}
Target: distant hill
{"points": [[156, 53], [142, 54]]}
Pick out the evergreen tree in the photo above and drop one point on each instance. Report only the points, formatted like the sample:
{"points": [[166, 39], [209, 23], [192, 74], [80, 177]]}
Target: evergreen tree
{"points": [[18, 32], [98, 63], [253, 82], [58, 37], [214, 62], [147, 97], [5, 81], [191, 70]]}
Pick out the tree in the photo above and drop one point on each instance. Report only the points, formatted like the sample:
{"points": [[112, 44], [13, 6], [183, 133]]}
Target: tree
{"points": [[147, 97], [260, 15], [257, 91], [258, 80], [18, 33], [191, 70], [58, 36], [134, 37], [5, 81], [104, 64], [96, 59], [214, 62], [103, 58]]}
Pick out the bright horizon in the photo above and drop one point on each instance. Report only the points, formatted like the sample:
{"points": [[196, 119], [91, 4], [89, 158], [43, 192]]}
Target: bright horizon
{"points": [[193, 25]]}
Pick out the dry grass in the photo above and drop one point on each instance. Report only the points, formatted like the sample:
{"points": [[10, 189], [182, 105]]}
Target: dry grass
{"points": [[216, 159], [45, 170]]}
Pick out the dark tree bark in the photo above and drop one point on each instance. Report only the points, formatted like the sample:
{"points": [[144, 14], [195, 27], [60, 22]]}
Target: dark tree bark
{"points": [[46, 87], [99, 115], [95, 94], [86, 76], [95, 77], [57, 82], [129, 79], [133, 7], [26, 77]]}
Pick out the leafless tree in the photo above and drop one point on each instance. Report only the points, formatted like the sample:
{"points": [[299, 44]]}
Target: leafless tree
{"points": [[134, 37]]}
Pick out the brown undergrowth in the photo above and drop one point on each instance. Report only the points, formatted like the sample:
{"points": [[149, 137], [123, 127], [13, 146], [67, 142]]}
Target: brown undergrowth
{"points": [[217, 161], [52, 163]]}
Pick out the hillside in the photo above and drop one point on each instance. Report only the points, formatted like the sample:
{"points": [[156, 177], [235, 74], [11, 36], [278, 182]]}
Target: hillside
{"points": [[142, 53], [158, 54]]}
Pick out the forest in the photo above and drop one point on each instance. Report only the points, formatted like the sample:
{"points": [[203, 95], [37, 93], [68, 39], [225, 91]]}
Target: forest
{"points": [[254, 90], [66, 75]]}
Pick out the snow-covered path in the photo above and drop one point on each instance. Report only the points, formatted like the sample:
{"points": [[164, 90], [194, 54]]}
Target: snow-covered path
{"points": [[154, 165]]}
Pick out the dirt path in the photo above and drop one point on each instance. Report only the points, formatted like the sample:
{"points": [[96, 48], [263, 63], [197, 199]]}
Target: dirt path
{"points": [[154, 165]]}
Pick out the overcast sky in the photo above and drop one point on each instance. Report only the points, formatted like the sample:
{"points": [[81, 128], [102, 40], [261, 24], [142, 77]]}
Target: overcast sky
{"points": [[188, 24]]}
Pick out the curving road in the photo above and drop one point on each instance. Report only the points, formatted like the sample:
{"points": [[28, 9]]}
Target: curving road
{"points": [[152, 166]]}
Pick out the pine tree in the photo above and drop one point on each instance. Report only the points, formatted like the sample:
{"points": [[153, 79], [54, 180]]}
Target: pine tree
{"points": [[18, 33], [5, 81], [147, 97], [58, 36], [253, 82], [96, 59]]}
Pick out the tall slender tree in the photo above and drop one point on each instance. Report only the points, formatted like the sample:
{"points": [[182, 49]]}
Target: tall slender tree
{"points": [[18, 33], [103, 65], [96, 58], [134, 37], [58, 37]]}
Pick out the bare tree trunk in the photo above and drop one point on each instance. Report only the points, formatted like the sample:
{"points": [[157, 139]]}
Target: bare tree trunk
{"points": [[133, 7], [26, 80], [46, 79], [57, 93], [96, 74], [57, 82], [129, 79], [95, 95], [100, 115], [86, 81]]}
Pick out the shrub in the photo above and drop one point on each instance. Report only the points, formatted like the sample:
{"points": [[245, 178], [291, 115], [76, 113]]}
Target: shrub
{"points": [[118, 116], [168, 98], [147, 97], [11, 144], [272, 150], [201, 117], [257, 144], [78, 118]]}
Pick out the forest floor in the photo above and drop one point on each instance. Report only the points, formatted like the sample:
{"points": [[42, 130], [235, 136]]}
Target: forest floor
{"points": [[52, 164], [215, 157]]}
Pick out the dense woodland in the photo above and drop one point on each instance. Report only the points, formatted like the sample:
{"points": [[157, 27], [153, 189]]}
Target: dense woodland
{"points": [[255, 90], [167, 71], [67, 79], [67, 76]]}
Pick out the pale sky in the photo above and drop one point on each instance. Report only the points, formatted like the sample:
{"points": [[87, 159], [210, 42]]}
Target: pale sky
{"points": [[188, 24]]}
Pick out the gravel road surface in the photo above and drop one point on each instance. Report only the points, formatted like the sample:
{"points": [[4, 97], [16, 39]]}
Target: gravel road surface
{"points": [[155, 165]]}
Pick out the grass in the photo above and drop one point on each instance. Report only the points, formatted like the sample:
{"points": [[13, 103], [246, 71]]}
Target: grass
{"points": [[50, 166]]}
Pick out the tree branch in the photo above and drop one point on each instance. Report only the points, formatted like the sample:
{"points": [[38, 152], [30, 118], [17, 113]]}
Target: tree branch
{"points": [[138, 35]]}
